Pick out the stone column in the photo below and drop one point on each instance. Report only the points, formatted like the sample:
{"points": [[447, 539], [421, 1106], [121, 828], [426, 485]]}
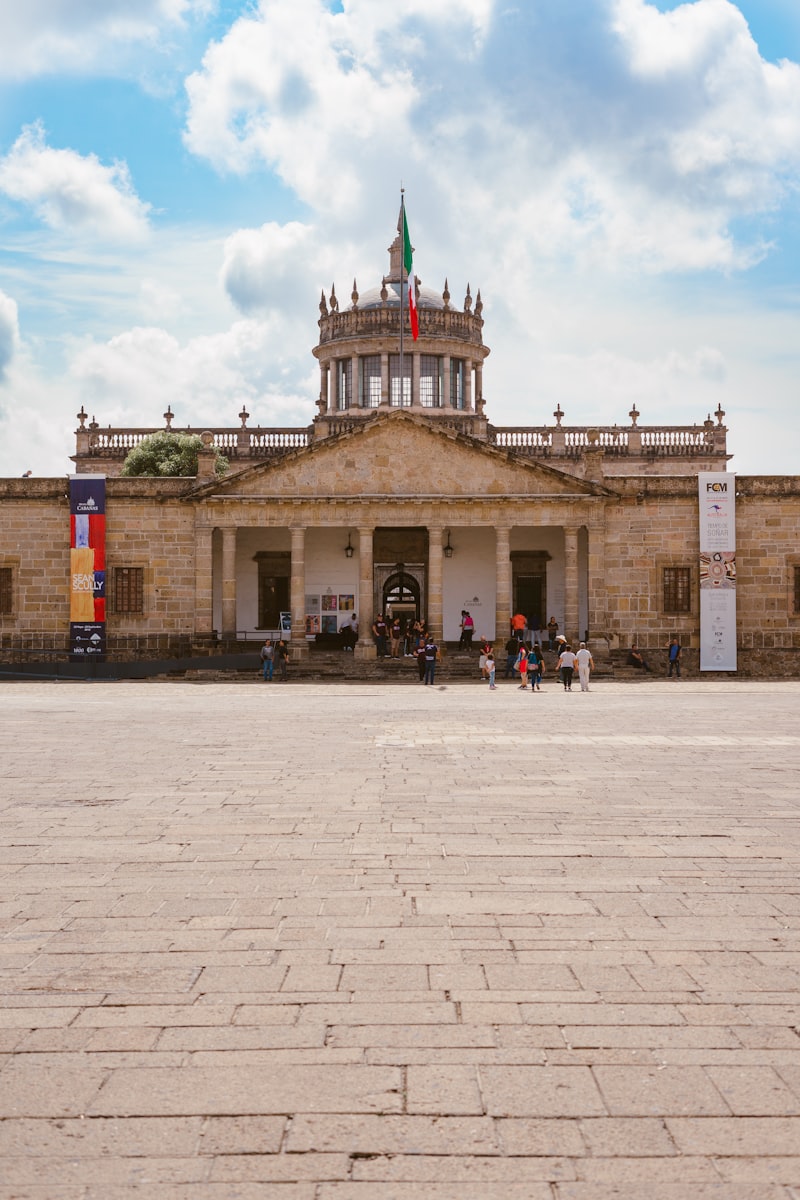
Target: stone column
{"points": [[446, 382], [468, 405], [203, 585], [325, 405], [597, 600], [229, 582], [571, 631], [478, 398], [333, 399], [435, 611], [366, 602], [354, 397], [297, 591], [415, 364], [504, 580]]}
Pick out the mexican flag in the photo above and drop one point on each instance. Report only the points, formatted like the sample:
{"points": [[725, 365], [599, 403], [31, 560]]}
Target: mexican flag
{"points": [[408, 263]]}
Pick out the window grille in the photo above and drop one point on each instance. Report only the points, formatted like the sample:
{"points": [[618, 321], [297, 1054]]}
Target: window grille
{"points": [[6, 590], [344, 383], [129, 589], [394, 381], [456, 383], [430, 381], [677, 589], [371, 380]]}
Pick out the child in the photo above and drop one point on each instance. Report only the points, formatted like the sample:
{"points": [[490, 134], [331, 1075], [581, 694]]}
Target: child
{"points": [[490, 670]]}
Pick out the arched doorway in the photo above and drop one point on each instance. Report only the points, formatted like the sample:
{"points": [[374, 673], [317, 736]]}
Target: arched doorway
{"points": [[401, 594]]}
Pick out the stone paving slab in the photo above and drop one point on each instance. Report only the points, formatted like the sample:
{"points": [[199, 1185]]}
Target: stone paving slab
{"points": [[349, 942]]}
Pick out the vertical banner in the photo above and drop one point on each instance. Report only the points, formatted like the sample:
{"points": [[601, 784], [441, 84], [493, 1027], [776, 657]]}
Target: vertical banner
{"points": [[717, 571], [87, 565]]}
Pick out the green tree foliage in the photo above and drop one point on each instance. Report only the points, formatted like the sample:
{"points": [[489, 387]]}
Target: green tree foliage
{"points": [[167, 453]]}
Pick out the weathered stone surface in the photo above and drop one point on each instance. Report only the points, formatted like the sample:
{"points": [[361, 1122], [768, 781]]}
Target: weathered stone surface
{"points": [[413, 969]]}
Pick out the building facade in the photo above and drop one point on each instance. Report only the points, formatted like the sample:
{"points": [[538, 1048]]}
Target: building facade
{"points": [[401, 496]]}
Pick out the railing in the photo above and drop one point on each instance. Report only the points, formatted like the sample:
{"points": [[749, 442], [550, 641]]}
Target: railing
{"points": [[574, 441], [383, 322], [558, 441], [233, 443]]}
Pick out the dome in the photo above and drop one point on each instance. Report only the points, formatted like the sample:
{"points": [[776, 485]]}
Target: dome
{"points": [[371, 298]]}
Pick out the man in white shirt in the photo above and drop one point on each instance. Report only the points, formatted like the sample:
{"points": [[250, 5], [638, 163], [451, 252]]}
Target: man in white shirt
{"points": [[585, 665]]}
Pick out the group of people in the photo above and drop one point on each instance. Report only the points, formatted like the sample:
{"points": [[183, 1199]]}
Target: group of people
{"points": [[398, 638], [529, 664], [272, 654]]}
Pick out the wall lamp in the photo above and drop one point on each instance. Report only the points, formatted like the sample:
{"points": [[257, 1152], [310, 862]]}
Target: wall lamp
{"points": [[448, 550], [349, 548]]}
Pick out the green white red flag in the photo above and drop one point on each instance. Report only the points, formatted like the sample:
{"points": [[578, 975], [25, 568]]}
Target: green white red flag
{"points": [[408, 263]]}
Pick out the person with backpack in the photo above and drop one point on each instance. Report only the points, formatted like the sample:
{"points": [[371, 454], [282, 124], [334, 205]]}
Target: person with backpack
{"points": [[431, 655], [536, 667]]}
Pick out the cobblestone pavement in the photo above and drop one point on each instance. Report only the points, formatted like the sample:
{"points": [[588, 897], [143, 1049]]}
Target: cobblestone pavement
{"points": [[306, 942]]}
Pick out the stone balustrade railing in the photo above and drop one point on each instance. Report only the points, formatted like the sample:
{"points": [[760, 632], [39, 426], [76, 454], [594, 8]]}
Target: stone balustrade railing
{"points": [[98, 447]]}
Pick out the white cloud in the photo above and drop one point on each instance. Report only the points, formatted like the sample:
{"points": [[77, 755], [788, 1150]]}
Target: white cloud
{"points": [[734, 129], [9, 332], [645, 146], [46, 37], [71, 192], [274, 266], [205, 380]]}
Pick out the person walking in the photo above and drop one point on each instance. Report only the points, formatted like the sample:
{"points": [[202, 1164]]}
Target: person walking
{"points": [[268, 660], [512, 650], [585, 665], [521, 665], [536, 667], [674, 658], [419, 654], [431, 654], [566, 665], [485, 649]]}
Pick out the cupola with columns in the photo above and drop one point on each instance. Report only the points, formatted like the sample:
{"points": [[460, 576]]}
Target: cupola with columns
{"points": [[359, 353]]}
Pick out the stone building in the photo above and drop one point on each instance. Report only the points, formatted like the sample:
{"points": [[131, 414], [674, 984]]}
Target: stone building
{"points": [[401, 495]]}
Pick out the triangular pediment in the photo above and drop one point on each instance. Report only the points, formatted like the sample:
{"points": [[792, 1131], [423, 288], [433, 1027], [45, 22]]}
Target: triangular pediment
{"points": [[400, 453]]}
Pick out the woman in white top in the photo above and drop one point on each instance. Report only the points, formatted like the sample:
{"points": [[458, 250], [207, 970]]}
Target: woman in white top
{"points": [[566, 665]]}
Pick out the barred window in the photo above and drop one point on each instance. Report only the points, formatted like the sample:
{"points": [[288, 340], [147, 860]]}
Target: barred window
{"points": [[6, 590], [129, 590], [678, 589], [797, 589], [371, 380], [456, 383], [344, 383], [394, 381], [430, 381]]}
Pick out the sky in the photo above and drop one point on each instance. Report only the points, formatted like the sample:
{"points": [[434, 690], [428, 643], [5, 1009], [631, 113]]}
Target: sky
{"points": [[180, 180]]}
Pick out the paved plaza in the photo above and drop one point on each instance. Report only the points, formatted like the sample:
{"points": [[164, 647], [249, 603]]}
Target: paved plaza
{"points": [[378, 942]]}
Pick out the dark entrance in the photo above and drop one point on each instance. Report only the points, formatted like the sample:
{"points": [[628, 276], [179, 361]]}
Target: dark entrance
{"points": [[530, 598], [273, 588]]}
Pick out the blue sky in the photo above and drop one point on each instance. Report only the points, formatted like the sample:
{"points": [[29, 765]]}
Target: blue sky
{"points": [[618, 177]]}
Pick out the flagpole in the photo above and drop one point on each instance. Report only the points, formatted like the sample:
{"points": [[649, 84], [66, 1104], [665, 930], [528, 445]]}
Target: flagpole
{"points": [[402, 269]]}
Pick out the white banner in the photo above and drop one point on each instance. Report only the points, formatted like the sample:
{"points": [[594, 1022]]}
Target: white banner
{"points": [[717, 500]]}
